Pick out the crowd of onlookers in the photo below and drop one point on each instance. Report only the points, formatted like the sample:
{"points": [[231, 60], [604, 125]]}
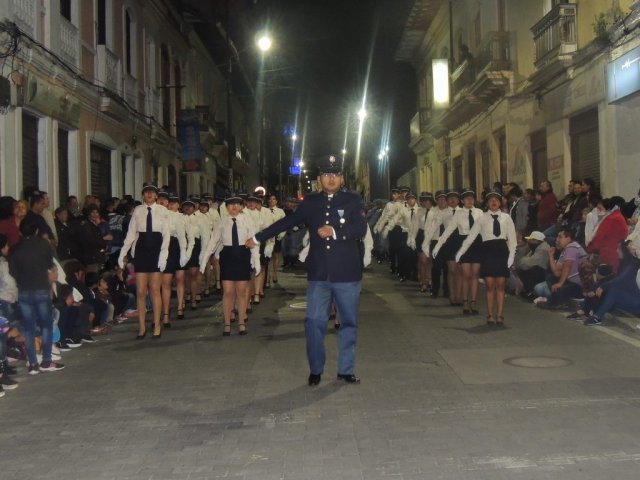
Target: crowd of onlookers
{"points": [[59, 282], [577, 248]]}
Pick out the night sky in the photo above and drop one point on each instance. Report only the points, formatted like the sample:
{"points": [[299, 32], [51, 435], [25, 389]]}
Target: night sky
{"points": [[318, 67]]}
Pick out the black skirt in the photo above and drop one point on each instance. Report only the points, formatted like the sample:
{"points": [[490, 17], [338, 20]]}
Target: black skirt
{"points": [[495, 258], [451, 246], [474, 252], [235, 264], [277, 248], [419, 240], [194, 261], [173, 260], [147, 251]]}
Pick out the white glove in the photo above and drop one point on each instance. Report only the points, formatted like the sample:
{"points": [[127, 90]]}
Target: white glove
{"points": [[458, 257], [376, 230], [295, 229], [183, 259], [385, 233], [268, 250], [162, 264], [367, 259], [203, 264], [302, 256], [121, 261], [434, 254], [510, 263], [411, 244], [427, 252]]}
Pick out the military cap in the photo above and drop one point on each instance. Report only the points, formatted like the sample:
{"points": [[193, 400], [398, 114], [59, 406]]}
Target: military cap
{"points": [[149, 187], [330, 164], [467, 193]]}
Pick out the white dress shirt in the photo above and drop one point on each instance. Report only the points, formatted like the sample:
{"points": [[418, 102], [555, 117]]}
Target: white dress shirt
{"points": [[438, 217], [222, 237], [138, 224], [390, 211], [484, 227], [178, 229], [459, 220]]}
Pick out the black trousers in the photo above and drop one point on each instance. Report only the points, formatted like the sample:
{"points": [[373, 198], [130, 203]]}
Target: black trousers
{"points": [[439, 271], [531, 277], [408, 259], [395, 245]]}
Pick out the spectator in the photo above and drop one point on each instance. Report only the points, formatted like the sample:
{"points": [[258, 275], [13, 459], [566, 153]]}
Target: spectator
{"points": [[8, 298], [66, 238], [594, 217], [633, 220], [93, 241], [532, 267], [623, 291], [48, 216], [123, 301], [532, 214], [35, 217], [73, 208], [564, 281], [76, 276], [519, 210], [603, 273], [10, 226], [29, 264], [611, 231], [547, 207]]}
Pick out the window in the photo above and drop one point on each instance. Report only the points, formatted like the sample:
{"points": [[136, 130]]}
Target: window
{"points": [[101, 23], [65, 9], [100, 159], [30, 170], [166, 91], [129, 43], [63, 164]]}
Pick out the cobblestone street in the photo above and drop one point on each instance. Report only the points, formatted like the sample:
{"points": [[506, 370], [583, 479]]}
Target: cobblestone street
{"points": [[442, 397]]}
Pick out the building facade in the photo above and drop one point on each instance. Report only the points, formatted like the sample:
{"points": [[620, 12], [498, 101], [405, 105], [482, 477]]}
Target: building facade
{"points": [[93, 93], [527, 93]]}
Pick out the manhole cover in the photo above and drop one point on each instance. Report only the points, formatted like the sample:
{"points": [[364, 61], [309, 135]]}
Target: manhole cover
{"points": [[538, 362], [300, 305]]}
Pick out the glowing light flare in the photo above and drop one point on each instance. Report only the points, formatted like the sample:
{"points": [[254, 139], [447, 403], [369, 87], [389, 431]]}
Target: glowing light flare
{"points": [[440, 69], [264, 42]]}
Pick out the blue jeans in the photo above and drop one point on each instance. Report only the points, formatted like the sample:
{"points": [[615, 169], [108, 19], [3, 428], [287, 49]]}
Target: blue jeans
{"points": [[624, 300], [347, 298], [36, 309]]}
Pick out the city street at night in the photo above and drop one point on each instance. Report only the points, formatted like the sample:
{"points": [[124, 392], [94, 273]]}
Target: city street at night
{"points": [[442, 397]]}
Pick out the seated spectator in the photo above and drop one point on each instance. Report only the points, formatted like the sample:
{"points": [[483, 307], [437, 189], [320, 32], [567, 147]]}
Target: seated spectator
{"points": [[34, 215], [632, 221], [611, 231], [8, 298], [124, 302], [603, 273], [76, 273], [594, 217], [623, 291], [73, 207], [64, 231], [564, 281], [531, 269], [101, 301]]}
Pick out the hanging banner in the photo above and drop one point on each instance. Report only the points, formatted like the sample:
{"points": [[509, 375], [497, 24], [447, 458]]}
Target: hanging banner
{"points": [[189, 138]]}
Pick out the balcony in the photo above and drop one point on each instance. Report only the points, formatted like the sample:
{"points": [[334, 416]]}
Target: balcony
{"points": [[108, 69], [24, 13], [554, 35], [477, 83], [69, 42]]}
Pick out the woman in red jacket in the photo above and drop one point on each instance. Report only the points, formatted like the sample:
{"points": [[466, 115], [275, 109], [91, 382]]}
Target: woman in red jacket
{"points": [[610, 233], [547, 207]]}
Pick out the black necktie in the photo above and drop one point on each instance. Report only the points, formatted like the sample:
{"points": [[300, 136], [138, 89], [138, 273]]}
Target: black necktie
{"points": [[441, 228], [271, 210], [412, 214], [471, 220], [235, 242], [149, 221], [496, 226]]}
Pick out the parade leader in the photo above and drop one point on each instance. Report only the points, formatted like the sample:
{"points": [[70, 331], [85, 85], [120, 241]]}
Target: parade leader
{"points": [[337, 225]]}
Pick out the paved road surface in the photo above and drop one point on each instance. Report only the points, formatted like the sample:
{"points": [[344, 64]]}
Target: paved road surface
{"points": [[442, 397]]}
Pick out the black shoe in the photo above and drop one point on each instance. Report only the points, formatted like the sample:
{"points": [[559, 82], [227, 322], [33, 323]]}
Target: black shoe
{"points": [[9, 369], [63, 347], [349, 378], [314, 379], [166, 325], [140, 337], [88, 339]]}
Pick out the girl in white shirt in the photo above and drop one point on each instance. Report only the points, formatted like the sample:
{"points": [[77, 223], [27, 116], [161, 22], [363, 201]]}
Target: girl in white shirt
{"points": [[498, 251], [235, 261]]}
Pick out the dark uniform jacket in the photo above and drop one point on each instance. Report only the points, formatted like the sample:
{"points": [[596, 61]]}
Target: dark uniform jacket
{"points": [[333, 260]]}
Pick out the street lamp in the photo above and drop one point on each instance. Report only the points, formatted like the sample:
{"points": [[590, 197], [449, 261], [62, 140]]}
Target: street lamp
{"points": [[344, 152], [362, 114], [264, 42]]}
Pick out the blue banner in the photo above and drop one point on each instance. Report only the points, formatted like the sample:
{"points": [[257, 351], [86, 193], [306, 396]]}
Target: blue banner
{"points": [[623, 75], [189, 138]]}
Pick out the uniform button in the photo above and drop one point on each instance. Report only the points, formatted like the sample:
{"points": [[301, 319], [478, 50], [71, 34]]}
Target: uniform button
{"points": [[327, 214], [327, 238], [344, 238], [327, 222], [328, 206], [328, 247]]}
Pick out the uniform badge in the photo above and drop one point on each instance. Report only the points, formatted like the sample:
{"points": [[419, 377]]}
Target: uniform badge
{"points": [[332, 159], [341, 213]]}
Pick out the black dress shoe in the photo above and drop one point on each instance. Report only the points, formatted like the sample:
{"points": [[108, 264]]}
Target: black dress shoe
{"points": [[140, 337], [314, 379], [351, 378]]}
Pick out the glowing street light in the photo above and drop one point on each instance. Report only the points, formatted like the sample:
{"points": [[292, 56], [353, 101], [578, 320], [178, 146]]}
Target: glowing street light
{"points": [[264, 42], [294, 137], [344, 151], [362, 113]]}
